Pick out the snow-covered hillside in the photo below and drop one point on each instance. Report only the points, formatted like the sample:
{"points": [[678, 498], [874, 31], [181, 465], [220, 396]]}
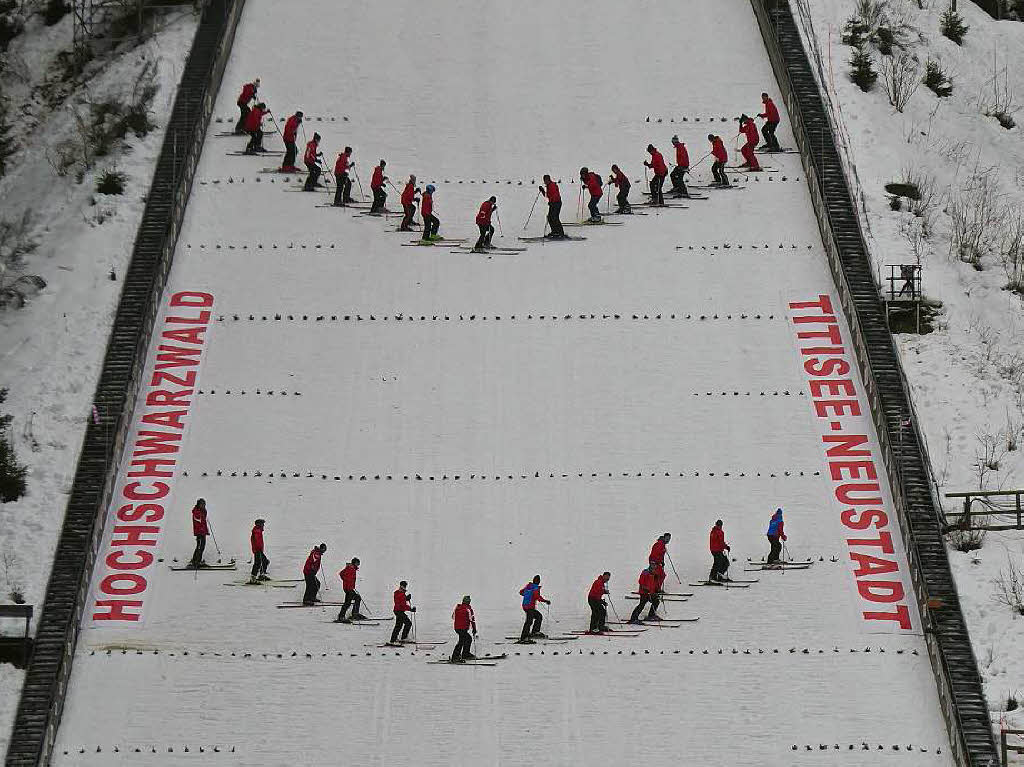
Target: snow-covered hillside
{"points": [[463, 422]]}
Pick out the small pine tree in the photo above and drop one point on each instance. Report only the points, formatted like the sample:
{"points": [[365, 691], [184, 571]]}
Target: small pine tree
{"points": [[7, 144], [12, 474], [862, 69], [951, 24]]}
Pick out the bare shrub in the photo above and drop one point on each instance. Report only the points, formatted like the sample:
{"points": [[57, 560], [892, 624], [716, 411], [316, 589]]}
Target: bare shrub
{"points": [[901, 75], [988, 456], [968, 535], [976, 215], [1000, 104], [1011, 251], [1010, 587], [17, 242]]}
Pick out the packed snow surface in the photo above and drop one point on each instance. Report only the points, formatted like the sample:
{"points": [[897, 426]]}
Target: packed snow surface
{"points": [[464, 422]]}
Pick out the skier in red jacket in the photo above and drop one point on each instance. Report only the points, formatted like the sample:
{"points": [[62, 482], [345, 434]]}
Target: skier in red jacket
{"points": [[312, 158], [682, 168], [718, 548], [430, 222], [290, 135], [342, 183], [531, 626], [409, 201], [200, 529], [483, 222], [554, 197], [721, 158], [464, 620], [248, 94], [309, 571], [254, 127], [260, 563], [598, 607], [650, 586], [657, 555], [352, 598], [402, 606], [748, 129], [622, 184], [771, 122], [593, 183], [657, 165], [377, 187]]}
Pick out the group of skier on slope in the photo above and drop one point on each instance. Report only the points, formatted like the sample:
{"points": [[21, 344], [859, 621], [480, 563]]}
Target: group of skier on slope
{"points": [[650, 583], [251, 122]]}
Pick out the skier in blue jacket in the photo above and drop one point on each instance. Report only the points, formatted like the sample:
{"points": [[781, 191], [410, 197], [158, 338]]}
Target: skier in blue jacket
{"points": [[776, 531], [531, 596]]}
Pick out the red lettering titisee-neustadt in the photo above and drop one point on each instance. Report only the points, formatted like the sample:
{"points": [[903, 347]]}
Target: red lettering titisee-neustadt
{"points": [[138, 520], [850, 463]]}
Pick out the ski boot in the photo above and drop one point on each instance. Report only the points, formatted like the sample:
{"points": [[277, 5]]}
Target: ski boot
{"points": [[359, 617], [527, 640], [469, 656], [253, 581], [264, 577], [636, 622], [538, 635]]}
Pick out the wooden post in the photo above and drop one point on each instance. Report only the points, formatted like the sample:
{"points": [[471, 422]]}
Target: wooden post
{"points": [[1002, 745], [1018, 510]]}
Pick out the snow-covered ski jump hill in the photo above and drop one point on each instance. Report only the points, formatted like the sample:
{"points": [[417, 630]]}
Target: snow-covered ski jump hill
{"points": [[465, 421]]}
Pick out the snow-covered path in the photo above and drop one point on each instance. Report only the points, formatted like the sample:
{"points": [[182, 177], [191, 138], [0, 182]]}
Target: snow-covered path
{"points": [[464, 422]]}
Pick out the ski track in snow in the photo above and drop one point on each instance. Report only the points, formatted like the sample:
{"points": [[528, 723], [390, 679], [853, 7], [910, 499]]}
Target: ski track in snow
{"points": [[504, 91]]}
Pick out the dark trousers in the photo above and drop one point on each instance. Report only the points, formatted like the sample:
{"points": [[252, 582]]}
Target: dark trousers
{"points": [[719, 566], [260, 563], [290, 150], [645, 599], [598, 615], [431, 224], [255, 141], [554, 211], [197, 555], [718, 171], [679, 181], [623, 199], [402, 624], [768, 131], [464, 645], [353, 600], [657, 198], [532, 623], [773, 555], [379, 199], [592, 205], [244, 109], [486, 232], [312, 587], [342, 189], [313, 177], [410, 211]]}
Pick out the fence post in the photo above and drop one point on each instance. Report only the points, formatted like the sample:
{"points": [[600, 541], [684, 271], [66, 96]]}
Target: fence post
{"points": [[1002, 745], [1017, 496]]}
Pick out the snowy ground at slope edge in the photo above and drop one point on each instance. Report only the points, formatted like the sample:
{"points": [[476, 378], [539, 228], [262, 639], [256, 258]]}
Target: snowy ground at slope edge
{"points": [[705, 385], [51, 350], [965, 376]]}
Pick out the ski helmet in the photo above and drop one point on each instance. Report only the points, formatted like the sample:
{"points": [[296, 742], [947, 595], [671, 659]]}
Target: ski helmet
{"points": [[711, 137], [298, 114], [675, 139], [355, 560], [382, 163], [316, 136], [492, 199], [430, 188], [465, 599], [650, 147], [584, 171], [348, 150], [403, 584], [322, 547], [261, 522]]}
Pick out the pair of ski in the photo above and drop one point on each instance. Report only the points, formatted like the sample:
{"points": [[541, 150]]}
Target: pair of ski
{"points": [[567, 238], [499, 251], [434, 243], [745, 169], [486, 660], [588, 222], [256, 154], [231, 565], [660, 623], [341, 207], [271, 583], [776, 566], [730, 584], [408, 643], [541, 640], [613, 633], [781, 150]]}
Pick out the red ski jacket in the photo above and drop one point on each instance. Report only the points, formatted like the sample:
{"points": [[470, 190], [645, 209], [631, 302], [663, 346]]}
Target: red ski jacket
{"points": [[401, 601], [619, 179], [648, 582], [312, 149], [658, 164], [255, 120], [717, 543], [718, 150], [483, 218], [408, 194], [256, 539], [749, 129], [657, 552], [426, 204], [312, 566], [593, 182], [464, 617], [199, 526], [348, 576], [551, 191], [659, 577], [377, 180], [682, 156], [291, 129], [598, 588], [248, 94], [771, 112], [341, 165]]}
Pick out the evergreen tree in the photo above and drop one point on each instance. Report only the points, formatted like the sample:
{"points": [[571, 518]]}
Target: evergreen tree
{"points": [[12, 474]]}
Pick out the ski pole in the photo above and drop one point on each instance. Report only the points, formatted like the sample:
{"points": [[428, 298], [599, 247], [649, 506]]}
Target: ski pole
{"points": [[579, 202], [414, 636], [214, 541], [676, 572], [500, 233], [362, 194], [531, 211], [612, 604]]}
